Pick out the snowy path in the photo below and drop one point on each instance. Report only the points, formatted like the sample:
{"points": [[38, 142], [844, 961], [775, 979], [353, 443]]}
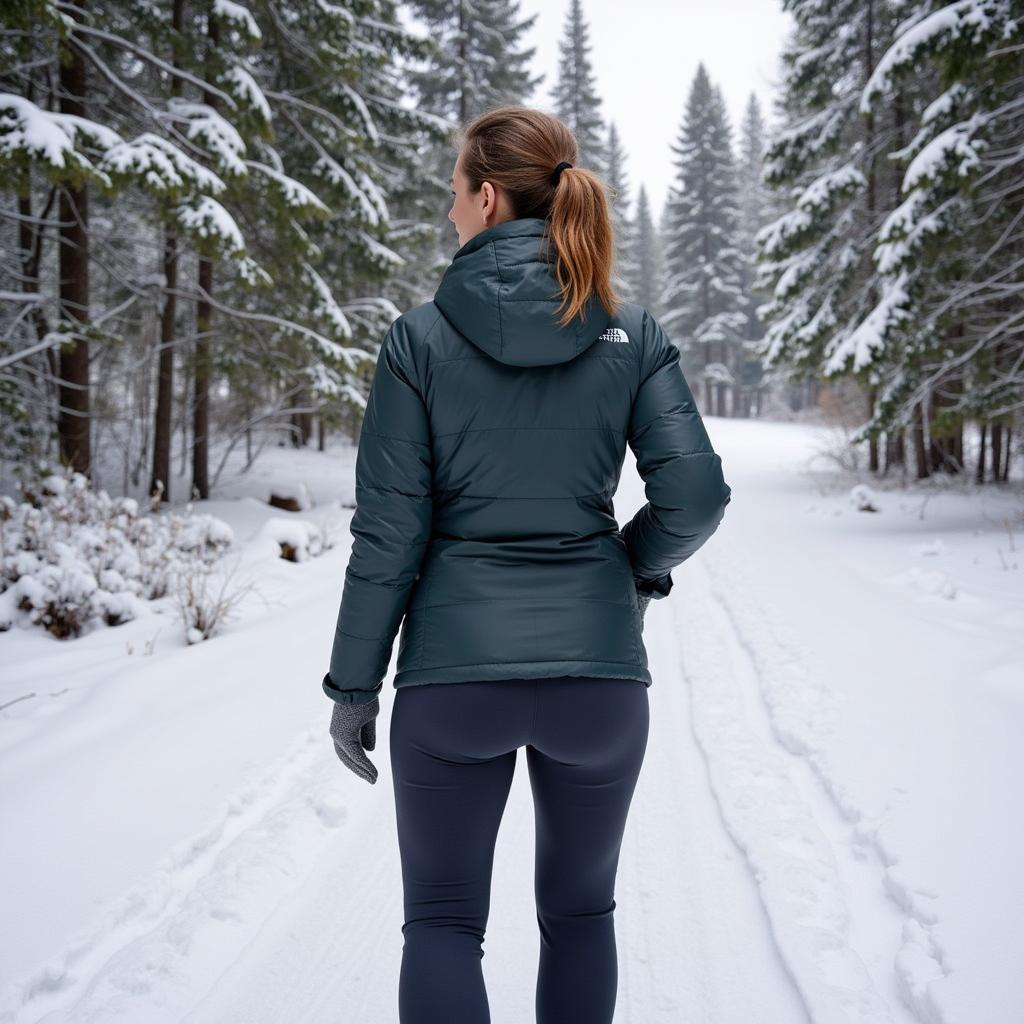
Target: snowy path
{"points": [[836, 928], [174, 870], [695, 944], [167, 950], [290, 908]]}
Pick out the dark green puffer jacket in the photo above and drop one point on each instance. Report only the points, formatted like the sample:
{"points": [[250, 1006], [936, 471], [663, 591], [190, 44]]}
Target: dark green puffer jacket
{"points": [[490, 450]]}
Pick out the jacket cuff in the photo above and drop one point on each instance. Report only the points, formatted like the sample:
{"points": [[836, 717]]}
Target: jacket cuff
{"points": [[657, 588], [349, 696]]}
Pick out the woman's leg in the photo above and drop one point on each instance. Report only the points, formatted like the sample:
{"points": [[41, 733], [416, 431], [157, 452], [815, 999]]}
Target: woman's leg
{"points": [[453, 755], [587, 747]]}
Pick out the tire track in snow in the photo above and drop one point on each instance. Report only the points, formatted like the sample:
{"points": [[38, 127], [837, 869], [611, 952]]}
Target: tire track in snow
{"points": [[164, 944], [330, 952], [695, 944], [799, 713], [790, 835]]}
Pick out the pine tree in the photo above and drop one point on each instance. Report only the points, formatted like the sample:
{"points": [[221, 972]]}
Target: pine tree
{"points": [[477, 61], [754, 212], [343, 139], [645, 271], [754, 199], [814, 260], [263, 144], [944, 333], [703, 293], [98, 64], [575, 95], [622, 225]]}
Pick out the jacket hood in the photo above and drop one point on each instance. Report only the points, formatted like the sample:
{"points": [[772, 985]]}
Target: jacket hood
{"points": [[500, 292]]}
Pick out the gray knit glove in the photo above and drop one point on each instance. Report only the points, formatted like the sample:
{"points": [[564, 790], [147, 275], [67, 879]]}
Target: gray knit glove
{"points": [[646, 589], [353, 729], [643, 598]]}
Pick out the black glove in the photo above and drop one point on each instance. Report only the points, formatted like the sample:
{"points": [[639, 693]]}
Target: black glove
{"points": [[353, 729]]}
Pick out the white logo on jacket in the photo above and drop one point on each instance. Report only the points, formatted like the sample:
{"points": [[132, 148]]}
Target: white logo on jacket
{"points": [[614, 334]]}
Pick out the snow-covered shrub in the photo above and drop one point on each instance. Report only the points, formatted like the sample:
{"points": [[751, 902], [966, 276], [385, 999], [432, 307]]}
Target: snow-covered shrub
{"points": [[863, 498], [295, 500], [298, 539], [72, 555], [205, 598]]}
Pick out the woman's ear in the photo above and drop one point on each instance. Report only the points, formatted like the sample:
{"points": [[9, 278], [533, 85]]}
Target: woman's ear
{"points": [[490, 198]]}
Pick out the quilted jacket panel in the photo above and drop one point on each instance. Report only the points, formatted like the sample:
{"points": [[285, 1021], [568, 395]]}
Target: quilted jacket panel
{"points": [[491, 448]]}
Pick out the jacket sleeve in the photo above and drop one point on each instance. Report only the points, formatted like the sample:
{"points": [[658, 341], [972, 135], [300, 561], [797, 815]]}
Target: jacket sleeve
{"points": [[390, 526], [682, 474]]}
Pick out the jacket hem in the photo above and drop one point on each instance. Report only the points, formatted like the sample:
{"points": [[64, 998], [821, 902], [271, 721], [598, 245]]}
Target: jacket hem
{"points": [[521, 670]]}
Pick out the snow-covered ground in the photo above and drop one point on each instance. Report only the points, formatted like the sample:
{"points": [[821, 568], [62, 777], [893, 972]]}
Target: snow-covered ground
{"points": [[827, 827]]}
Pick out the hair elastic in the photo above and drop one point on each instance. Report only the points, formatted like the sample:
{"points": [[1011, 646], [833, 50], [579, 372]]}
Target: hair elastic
{"points": [[557, 172]]}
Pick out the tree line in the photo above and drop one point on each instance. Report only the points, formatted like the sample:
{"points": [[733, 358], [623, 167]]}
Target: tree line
{"points": [[212, 210]]}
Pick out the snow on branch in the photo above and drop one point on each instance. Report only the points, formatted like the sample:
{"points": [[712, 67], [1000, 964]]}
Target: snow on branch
{"points": [[243, 87], [968, 21], [803, 142], [82, 28], [210, 129], [871, 335], [816, 201], [160, 166], [294, 193], [380, 252], [50, 136], [956, 150], [331, 171], [326, 307], [368, 123], [206, 219], [239, 17], [822, 193]]}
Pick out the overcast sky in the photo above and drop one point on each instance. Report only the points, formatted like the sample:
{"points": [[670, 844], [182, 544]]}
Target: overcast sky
{"points": [[645, 54]]}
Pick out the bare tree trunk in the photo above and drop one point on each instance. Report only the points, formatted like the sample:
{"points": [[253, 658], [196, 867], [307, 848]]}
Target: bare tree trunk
{"points": [[934, 401], [183, 424], [979, 468], [942, 446], [920, 452], [720, 386], [201, 398], [873, 439], [30, 241], [997, 450], [73, 417], [201, 379], [161, 479], [871, 196]]}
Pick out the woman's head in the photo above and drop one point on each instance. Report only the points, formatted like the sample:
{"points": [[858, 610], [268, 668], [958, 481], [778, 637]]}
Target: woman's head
{"points": [[503, 171]]}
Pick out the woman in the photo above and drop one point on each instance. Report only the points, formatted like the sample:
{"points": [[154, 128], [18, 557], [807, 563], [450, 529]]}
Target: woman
{"points": [[492, 444]]}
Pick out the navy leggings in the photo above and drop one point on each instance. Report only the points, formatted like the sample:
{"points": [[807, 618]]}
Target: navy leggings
{"points": [[453, 753]]}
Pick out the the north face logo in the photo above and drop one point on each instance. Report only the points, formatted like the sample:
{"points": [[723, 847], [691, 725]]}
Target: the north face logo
{"points": [[614, 334]]}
